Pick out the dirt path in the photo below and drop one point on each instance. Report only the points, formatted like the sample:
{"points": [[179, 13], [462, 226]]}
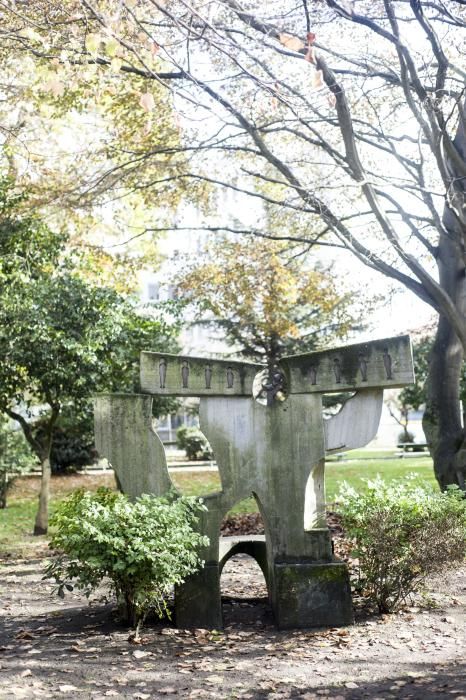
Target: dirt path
{"points": [[51, 648]]}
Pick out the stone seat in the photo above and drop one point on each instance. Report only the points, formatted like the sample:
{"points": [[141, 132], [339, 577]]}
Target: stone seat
{"points": [[254, 545]]}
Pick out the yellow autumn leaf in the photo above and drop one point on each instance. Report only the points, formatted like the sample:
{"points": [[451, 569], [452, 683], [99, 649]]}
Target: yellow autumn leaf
{"points": [[111, 47], [115, 64], [92, 43], [259, 296]]}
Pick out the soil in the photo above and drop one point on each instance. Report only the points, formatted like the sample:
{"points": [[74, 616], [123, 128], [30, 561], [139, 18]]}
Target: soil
{"points": [[51, 648]]}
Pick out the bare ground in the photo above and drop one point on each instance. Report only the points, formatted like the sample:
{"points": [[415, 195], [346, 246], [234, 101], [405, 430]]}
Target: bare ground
{"points": [[51, 648]]}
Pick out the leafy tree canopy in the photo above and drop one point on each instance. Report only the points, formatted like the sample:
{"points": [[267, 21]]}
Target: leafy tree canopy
{"points": [[62, 339], [266, 302]]}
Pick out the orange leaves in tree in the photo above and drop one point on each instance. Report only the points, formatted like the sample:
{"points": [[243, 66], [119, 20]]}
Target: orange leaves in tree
{"points": [[291, 42], [257, 294]]}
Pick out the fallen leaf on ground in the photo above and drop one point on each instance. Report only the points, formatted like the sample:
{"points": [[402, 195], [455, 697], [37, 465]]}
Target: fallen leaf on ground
{"points": [[214, 679], [139, 654]]}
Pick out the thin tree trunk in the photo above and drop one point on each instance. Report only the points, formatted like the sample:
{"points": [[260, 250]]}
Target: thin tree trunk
{"points": [[42, 449], [41, 525]]}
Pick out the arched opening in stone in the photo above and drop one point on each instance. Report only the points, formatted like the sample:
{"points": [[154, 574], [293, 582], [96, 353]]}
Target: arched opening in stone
{"points": [[244, 593], [244, 566], [314, 498]]}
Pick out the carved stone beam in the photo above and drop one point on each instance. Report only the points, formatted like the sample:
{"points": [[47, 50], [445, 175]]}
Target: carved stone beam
{"points": [[386, 363], [177, 375]]}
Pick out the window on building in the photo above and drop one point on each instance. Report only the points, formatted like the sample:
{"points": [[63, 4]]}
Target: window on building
{"points": [[153, 291]]}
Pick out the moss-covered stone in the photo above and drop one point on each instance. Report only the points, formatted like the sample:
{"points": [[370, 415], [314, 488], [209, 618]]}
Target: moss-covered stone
{"points": [[312, 595]]}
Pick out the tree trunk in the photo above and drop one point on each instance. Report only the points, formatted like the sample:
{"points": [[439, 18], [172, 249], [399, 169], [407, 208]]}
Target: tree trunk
{"points": [[442, 419], [41, 525], [42, 449]]}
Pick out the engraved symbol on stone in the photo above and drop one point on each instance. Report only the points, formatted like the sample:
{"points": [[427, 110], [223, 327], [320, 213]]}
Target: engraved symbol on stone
{"points": [[387, 361], [337, 370], [162, 372], [185, 374], [208, 376], [230, 378], [313, 375], [363, 367]]}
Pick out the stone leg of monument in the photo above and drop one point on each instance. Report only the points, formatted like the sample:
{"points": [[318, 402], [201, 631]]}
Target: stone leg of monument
{"points": [[198, 600]]}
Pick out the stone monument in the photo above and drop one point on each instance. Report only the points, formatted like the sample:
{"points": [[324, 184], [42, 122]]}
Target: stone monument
{"points": [[269, 438]]}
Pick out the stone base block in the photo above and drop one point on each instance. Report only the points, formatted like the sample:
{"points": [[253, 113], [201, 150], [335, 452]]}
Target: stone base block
{"points": [[197, 601], [312, 595]]}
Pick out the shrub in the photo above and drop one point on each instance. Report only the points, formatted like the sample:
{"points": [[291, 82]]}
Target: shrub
{"points": [[402, 532], [15, 458], [194, 443], [406, 436], [72, 441], [143, 548]]}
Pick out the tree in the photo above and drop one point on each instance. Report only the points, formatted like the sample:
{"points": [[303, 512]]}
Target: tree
{"points": [[357, 108], [16, 458], [154, 328], [60, 337], [266, 303], [60, 133], [412, 398]]}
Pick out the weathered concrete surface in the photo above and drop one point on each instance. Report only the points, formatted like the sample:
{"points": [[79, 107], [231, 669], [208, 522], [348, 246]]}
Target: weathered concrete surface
{"points": [[125, 436], [381, 363], [270, 452], [312, 595], [253, 545], [198, 601], [357, 422], [384, 363], [177, 375]]}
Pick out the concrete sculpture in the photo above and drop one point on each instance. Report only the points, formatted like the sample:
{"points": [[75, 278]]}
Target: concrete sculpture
{"points": [[269, 438]]}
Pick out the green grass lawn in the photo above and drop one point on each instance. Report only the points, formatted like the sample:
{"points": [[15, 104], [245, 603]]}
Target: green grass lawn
{"points": [[16, 521], [354, 472]]}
